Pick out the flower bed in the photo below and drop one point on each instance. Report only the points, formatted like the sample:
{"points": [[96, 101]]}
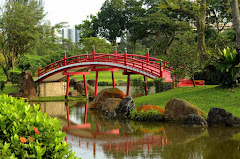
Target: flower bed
{"points": [[148, 107]]}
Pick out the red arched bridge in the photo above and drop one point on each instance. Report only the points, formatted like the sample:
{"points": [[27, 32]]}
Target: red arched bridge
{"points": [[81, 65]]}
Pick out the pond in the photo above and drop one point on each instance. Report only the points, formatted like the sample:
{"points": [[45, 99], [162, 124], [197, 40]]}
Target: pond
{"points": [[91, 135]]}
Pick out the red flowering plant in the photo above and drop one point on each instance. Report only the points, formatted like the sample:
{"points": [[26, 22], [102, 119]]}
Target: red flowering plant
{"points": [[25, 132]]}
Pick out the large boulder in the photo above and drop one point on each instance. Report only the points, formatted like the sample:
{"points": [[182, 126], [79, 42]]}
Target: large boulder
{"points": [[178, 110], [72, 82], [104, 94], [220, 117], [194, 120], [111, 104], [27, 87], [125, 107]]}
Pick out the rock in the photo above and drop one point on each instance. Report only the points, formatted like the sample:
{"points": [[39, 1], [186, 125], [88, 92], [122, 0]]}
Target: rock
{"points": [[194, 119], [220, 117], [177, 109], [125, 107], [27, 87], [73, 93], [111, 104], [91, 82], [109, 114], [104, 94], [79, 86], [72, 82]]}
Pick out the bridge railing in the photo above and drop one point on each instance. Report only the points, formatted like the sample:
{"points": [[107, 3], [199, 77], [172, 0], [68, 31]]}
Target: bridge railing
{"points": [[148, 64]]}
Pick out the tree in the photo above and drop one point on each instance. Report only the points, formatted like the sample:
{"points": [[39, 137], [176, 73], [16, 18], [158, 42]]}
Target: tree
{"points": [[159, 28], [101, 46], [88, 28], [218, 14], [236, 23], [111, 20], [19, 30], [183, 55], [196, 11]]}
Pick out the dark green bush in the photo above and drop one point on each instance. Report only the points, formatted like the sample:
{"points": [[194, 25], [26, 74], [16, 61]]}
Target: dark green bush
{"points": [[2, 85], [104, 83], [158, 82], [25, 132], [150, 115], [15, 76]]}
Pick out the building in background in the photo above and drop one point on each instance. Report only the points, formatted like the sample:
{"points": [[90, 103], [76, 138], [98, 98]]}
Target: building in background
{"points": [[71, 34]]}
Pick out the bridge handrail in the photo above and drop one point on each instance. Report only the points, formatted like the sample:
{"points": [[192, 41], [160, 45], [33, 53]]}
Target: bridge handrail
{"points": [[116, 58]]}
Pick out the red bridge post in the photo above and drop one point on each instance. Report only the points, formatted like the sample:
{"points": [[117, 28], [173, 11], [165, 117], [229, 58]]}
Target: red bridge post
{"points": [[67, 89], [147, 55], [93, 52], [39, 71], [96, 84]]}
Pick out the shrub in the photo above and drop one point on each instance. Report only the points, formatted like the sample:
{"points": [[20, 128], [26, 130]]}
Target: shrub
{"points": [[15, 76], [25, 132], [2, 85], [150, 115], [148, 107]]}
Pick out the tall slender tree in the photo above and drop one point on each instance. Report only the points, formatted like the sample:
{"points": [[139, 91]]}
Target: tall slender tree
{"points": [[19, 30]]}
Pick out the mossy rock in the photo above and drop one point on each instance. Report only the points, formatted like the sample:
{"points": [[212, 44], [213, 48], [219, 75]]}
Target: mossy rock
{"points": [[178, 110], [104, 94]]}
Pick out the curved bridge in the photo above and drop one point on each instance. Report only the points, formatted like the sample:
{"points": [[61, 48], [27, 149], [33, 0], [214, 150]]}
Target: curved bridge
{"points": [[144, 65], [131, 64]]}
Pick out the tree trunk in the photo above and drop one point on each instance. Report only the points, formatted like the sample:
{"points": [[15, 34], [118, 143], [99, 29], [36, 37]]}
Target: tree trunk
{"points": [[236, 23], [201, 30]]}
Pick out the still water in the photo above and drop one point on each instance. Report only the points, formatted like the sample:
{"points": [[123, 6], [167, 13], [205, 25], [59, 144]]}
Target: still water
{"points": [[91, 136]]}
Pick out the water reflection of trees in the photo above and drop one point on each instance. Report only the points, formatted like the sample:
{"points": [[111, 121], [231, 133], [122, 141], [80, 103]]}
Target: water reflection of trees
{"points": [[150, 140]]}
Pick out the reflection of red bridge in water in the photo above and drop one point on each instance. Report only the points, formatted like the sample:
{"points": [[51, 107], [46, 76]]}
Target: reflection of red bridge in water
{"points": [[115, 141], [131, 64]]}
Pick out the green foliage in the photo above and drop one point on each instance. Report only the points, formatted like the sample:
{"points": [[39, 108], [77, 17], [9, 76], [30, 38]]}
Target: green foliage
{"points": [[158, 82], [150, 115], [203, 97], [101, 46], [26, 133], [20, 30], [2, 85], [15, 76], [139, 86], [184, 56], [229, 68], [32, 63]]}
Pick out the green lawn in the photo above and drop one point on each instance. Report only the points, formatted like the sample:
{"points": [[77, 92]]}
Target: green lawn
{"points": [[107, 76], [9, 89], [204, 97]]}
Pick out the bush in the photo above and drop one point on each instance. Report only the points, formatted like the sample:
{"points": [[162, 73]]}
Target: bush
{"points": [[150, 115], [15, 76], [26, 133], [2, 85]]}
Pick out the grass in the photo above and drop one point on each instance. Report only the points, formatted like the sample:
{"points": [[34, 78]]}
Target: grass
{"points": [[107, 76], [204, 97], [9, 89]]}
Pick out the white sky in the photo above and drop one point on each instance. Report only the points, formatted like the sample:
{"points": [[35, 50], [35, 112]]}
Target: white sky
{"points": [[72, 11]]}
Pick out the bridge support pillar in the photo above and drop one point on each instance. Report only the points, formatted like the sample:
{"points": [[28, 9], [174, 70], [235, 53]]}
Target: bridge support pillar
{"points": [[113, 79], [128, 84], [67, 90], [146, 88], [85, 86], [96, 84]]}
